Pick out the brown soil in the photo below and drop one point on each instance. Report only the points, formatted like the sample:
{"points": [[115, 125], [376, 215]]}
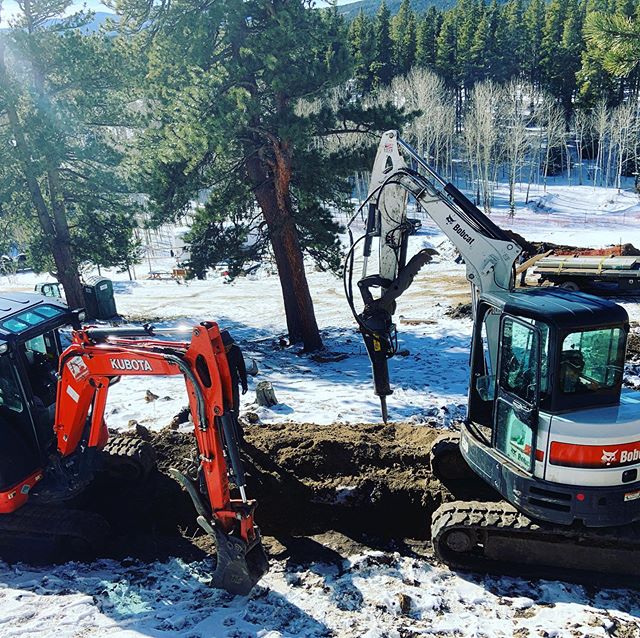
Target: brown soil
{"points": [[358, 479], [633, 345], [309, 478], [625, 250], [342, 485], [461, 311]]}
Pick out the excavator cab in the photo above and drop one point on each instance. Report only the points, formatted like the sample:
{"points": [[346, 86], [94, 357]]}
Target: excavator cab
{"points": [[29, 350], [548, 351], [546, 372]]}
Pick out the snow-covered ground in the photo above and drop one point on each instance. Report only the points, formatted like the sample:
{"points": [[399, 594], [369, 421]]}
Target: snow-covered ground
{"points": [[369, 594]]}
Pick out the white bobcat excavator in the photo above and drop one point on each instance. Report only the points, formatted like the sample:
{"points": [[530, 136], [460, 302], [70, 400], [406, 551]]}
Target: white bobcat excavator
{"points": [[548, 424]]}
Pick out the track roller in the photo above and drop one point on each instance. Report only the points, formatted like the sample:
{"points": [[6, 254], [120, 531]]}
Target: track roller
{"points": [[497, 538]]}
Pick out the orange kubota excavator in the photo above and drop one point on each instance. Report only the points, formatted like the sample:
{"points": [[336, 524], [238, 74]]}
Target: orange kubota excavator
{"points": [[54, 439]]}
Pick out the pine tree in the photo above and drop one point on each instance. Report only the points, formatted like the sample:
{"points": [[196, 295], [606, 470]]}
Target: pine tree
{"points": [[469, 16], [534, 20], [362, 50], [403, 38], [610, 68], [570, 53], [478, 61], [382, 66], [426, 37], [446, 51], [553, 73], [245, 117], [59, 93], [626, 8], [616, 39], [510, 42]]}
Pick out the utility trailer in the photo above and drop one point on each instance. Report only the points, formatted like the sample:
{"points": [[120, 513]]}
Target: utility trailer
{"points": [[610, 272]]}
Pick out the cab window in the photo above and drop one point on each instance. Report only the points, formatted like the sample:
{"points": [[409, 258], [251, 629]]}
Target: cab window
{"points": [[519, 363], [592, 360], [10, 394]]}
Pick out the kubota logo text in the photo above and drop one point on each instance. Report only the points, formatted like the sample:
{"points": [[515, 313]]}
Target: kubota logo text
{"points": [[137, 365]]}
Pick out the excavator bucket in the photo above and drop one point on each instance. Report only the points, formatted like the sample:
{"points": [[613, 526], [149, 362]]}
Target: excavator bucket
{"points": [[239, 566]]}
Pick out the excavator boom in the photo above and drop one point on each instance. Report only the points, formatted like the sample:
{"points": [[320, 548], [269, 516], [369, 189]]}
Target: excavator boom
{"points": [[97, 357], [489, 253]]}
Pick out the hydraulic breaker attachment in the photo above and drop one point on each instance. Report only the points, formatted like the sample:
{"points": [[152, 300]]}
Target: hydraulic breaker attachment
{"points": [[377, 330], [240, 558], [376, 326]]}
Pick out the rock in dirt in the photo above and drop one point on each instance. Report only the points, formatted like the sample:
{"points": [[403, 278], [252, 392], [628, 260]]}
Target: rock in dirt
{"points": [[461, 311], [149, 396]]}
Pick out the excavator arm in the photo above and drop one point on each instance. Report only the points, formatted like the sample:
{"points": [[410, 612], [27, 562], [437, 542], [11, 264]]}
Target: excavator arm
{"points": [[97, 357], [489, 253]]}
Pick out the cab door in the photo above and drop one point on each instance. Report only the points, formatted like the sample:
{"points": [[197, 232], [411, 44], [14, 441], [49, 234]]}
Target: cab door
{"points": [[516, 409]]}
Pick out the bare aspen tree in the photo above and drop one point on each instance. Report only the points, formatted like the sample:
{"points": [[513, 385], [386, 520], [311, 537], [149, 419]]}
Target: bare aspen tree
{"points": [[515, 137], [553, 121], [580, 126], [623, 131], [470, 131], [481, 132], [430, 132], [634, 144], [600, 126]]}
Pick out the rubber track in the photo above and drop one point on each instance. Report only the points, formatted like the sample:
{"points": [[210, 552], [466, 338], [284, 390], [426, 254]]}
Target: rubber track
{"points": [[502, 536], [126, 449], [68, 533]]}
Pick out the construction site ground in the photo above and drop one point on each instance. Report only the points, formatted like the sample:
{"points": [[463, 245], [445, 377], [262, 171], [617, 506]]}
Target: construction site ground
{"points": [[344, 500]]}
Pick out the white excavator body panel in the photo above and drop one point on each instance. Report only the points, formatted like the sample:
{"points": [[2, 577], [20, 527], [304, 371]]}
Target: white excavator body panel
{"points": [[596, 447]]}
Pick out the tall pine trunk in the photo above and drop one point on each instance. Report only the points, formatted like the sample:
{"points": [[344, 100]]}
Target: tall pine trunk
{"points": [[54, 227], [272, 181]]}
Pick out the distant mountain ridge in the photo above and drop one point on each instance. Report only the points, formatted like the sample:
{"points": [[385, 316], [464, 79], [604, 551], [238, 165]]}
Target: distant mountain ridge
{"points": [[370, 7], [99, 18]]}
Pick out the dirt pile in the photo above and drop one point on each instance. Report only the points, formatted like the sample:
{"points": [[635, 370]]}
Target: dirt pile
{"points": [[625, 250], [461, 311], [357, 479]]}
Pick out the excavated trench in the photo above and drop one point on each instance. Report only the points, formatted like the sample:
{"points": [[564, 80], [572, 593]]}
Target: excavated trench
{"points": [[370, 483]]}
